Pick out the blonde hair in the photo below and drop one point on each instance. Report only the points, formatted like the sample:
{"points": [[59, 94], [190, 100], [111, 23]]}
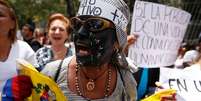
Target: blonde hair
{"points": [[12, 32], [61, 17]]}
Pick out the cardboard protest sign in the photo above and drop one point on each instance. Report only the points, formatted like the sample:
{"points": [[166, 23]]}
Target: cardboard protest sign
{"points": [[161, 30], [187, 83], [42, 84]]}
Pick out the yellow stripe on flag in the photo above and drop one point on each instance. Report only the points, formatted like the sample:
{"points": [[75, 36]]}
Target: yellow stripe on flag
{"points": [[40, 82], [157, 96]]}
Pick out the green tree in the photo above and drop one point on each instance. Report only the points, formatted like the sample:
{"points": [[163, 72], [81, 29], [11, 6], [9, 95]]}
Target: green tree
{"points": [[37, 11]]}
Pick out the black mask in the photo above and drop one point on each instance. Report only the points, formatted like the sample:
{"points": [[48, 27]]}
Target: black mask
{"points": [[94, 48]]}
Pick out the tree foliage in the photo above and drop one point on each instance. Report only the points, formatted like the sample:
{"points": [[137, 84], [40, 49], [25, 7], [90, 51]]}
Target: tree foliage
{"points": [[37, 11]]}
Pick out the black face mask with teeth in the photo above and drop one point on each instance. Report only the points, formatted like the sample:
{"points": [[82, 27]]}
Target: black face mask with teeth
{"points": [[99, 46]]}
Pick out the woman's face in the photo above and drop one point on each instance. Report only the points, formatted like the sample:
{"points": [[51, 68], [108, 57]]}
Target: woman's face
{"points": [[94, 40], [58, 32], [6, 22]]}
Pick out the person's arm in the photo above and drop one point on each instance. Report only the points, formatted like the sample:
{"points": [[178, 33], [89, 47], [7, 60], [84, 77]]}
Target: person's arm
{"points": [[0, 96], [167, 97], [131, 39], [131, 65]]}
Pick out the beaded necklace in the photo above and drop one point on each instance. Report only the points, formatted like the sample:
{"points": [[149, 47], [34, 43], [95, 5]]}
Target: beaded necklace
{"points": [[91, 83]]}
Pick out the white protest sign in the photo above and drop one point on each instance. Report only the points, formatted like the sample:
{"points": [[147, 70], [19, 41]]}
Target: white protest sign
{"points": [[161, 30], [186, 82]]}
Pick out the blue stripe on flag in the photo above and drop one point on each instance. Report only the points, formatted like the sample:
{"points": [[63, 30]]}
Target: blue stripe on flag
{"points": [[7, 91]]}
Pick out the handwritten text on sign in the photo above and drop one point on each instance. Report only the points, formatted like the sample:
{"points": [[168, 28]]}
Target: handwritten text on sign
{"points": [[161, 30], [187, 83], [103, 8]]}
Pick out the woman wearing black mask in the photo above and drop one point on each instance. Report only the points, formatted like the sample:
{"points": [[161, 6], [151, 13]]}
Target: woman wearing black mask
{"points": [[99, 70]]}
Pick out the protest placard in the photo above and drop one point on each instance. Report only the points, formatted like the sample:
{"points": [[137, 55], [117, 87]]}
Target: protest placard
{"points": [[187, 83], [161, 29]]}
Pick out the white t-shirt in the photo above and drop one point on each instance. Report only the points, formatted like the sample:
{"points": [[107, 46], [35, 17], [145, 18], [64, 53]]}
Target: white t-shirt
{"points": [[8, 68]]}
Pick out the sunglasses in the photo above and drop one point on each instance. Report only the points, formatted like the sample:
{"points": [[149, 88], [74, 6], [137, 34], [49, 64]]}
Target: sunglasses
{"points": [[92, 24]]}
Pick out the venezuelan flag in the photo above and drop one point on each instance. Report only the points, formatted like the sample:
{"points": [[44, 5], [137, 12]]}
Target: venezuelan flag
{"points": [[41, 85], [17, 88], [7, 94]]}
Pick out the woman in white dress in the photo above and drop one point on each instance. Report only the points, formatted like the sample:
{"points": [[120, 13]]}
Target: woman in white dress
{"points": [[10, 50]]}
